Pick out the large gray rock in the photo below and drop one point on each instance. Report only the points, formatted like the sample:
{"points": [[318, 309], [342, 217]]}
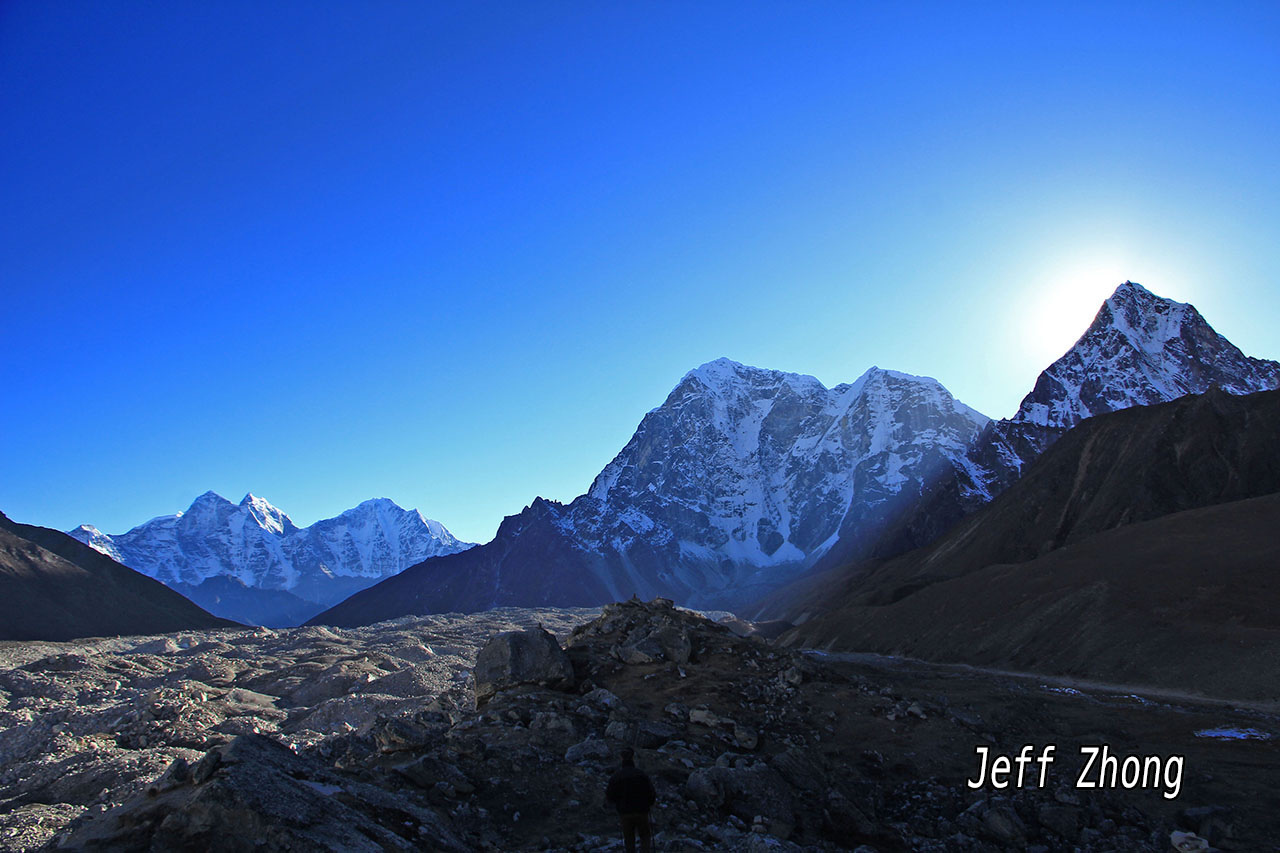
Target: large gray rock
{"points": [[512, 658]]}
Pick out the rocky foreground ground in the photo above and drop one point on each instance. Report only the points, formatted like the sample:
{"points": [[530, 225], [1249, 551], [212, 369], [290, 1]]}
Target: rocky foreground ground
{"points": [[429, 734]]}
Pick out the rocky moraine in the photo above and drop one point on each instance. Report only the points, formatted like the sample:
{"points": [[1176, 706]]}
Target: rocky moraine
{"points": [[496, 731]]}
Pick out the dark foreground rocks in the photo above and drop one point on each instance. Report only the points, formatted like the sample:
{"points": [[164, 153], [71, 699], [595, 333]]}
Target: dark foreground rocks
{"points": [[255, 794], [751, 748]]}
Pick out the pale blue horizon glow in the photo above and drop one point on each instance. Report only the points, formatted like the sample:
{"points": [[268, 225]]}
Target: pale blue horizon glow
{"points": [[452, 256]]}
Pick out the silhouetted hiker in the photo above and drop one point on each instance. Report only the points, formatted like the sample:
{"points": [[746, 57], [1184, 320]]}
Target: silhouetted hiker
{"points": [[632, 794]]}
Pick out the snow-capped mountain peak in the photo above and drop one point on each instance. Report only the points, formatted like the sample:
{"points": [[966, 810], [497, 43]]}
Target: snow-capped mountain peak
{"points": [[889, 386], [97, 540], [1140, 349], [1147, 321], [726, 377], [267, 516], [743, 468], [209, 499], [743, 476], [261, 546]]}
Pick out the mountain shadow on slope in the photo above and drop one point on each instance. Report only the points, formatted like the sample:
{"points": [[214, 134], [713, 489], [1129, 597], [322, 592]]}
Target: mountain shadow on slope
{"points": [[956, 493], [745, 479], [1186, 601], [1108, 472], [55, 588], [735, 484]]}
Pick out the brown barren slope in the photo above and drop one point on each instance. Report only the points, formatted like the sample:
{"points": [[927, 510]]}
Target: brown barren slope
{"points": [[1075, 569], [1189, 600]]}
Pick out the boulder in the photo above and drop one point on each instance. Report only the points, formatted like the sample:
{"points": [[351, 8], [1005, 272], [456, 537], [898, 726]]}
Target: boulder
{"points": [[604, 699], [400, 734], [428, 771], [707, 717], [1003, 825], [799, 770], [645, 650], [591, 749], [705, 788], [743, 791], [521, 657], [1059, 819], [645, 734], [674, 642]]}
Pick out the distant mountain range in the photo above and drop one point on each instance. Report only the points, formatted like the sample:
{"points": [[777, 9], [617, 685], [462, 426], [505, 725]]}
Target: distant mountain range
{"points": [[745, 479], [55, 588], [251, 563]]}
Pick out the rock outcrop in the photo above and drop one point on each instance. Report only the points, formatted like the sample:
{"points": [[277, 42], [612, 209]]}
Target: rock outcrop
{"points": [[513, 658]]}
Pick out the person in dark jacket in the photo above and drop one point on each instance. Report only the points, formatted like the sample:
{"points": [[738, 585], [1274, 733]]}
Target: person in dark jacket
{"points": [[631, 793]]}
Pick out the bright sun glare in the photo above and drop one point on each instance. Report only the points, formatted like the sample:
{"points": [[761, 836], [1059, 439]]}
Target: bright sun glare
{"points": [[1058, 306]]}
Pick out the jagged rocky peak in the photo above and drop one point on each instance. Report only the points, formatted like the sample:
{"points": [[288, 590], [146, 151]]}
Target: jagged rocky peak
{"points": [[740, 479], [1141, 349], [208, 503], [900, 405], [206, 511], [723, 413], [727, 378], [540, 511], [383, 517], [745, 477], [753, 468], [266, 515]]}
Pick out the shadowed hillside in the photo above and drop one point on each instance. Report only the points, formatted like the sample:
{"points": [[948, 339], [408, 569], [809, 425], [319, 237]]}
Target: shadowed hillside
{"points": [[55, 588], [1059, 573]]}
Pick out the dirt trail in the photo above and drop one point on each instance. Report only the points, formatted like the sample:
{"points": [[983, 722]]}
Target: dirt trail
{"points": [[1099, 690]]}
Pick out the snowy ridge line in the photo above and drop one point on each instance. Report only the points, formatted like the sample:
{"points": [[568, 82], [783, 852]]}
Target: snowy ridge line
{"points": [[743, 468], [258, 544]]}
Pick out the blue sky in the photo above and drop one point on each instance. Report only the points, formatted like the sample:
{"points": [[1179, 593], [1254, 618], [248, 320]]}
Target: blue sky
{"points": [[451, 254]]}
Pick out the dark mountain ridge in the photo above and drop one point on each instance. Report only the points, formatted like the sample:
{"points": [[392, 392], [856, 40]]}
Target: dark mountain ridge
{"points": [[495, 574], [55, 588]]}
